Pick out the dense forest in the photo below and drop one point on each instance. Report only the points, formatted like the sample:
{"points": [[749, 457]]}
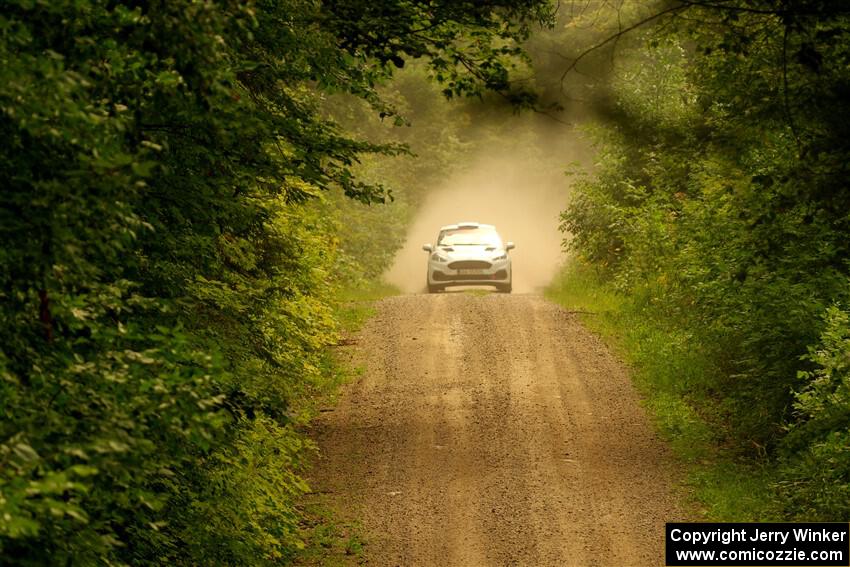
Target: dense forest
{"points": [[192, 190], [719, 209], [170, 220]]}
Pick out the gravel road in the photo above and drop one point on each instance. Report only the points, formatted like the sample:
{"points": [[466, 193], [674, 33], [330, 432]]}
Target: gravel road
{"points": [[494, 430]]}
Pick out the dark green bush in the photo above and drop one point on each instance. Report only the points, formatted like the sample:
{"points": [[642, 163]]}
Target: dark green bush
{"points": [[816, 463]]}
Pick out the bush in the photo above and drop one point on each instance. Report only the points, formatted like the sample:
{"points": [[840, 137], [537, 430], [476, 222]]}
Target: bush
{"points": [[817, 449]]}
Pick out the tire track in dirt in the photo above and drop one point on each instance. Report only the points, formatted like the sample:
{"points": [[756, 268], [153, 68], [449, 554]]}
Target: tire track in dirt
{"points": [[494, 430]]}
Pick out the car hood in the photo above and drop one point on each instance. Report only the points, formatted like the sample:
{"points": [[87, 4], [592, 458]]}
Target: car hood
{"points": [[452, 253]]}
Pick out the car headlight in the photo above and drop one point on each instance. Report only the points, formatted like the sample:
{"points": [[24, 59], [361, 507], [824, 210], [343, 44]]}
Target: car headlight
{"points": [[437, 258], [504, 256]]}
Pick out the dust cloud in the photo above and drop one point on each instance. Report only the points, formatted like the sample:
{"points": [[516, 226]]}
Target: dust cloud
{"points": [[520, 192]]}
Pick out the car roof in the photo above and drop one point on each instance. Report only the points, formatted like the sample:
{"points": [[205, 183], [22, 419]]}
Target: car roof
{"points": [[466, 225]]}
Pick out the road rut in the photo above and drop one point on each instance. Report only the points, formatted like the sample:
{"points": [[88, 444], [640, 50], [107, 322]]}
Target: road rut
{"points": [[494, 430]]}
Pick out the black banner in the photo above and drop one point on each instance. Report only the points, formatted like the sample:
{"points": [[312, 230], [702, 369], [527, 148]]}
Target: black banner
{"points": [[761, 545]]}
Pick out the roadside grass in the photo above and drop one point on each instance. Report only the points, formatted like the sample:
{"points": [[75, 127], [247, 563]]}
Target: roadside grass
{"points": [[668, 371], [329, 538], [356, 303]]}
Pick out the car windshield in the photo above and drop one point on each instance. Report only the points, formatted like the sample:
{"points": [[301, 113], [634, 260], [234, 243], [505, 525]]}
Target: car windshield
{"points": [[474, 236]]}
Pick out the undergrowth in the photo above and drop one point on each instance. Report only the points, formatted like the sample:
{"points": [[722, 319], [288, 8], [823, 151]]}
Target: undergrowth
{"points": [[329, 537], [357, 303], [670, 374]]}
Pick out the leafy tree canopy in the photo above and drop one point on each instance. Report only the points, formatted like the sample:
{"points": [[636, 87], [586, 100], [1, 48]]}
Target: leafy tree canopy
{"points": [[165, 282]]}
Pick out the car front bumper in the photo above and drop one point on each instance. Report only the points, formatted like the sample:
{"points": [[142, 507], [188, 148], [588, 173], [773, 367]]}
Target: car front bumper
{"points": [[440, 273]]}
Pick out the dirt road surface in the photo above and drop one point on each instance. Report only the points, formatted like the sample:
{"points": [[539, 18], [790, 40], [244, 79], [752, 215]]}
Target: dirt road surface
{"points": [[494, 430]]}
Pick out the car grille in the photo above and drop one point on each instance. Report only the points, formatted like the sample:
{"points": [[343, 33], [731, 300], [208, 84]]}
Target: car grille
{"points": [[470, 265], [441, 277]]}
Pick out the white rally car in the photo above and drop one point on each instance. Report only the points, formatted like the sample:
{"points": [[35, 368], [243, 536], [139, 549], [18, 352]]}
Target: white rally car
{"points": [[469, 253]]}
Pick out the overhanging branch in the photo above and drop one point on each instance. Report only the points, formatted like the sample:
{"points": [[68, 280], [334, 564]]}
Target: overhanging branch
{"points": [[677, 8]]}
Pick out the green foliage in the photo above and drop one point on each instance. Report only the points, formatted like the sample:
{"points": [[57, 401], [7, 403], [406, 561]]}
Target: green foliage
{"points": [[258, 471], [470, 47], [719, 206], [817, 459], [167, 281]]}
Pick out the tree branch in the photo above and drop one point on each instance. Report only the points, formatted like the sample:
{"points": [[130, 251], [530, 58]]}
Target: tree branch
{"points": [[616, 36]]}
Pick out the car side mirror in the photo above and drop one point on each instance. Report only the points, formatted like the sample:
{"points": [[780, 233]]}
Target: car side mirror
{"points": [[510, 246], [427, 248]]}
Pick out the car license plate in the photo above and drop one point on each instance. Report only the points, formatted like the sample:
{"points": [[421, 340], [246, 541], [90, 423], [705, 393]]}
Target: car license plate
{"points": [[469, 272]]}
